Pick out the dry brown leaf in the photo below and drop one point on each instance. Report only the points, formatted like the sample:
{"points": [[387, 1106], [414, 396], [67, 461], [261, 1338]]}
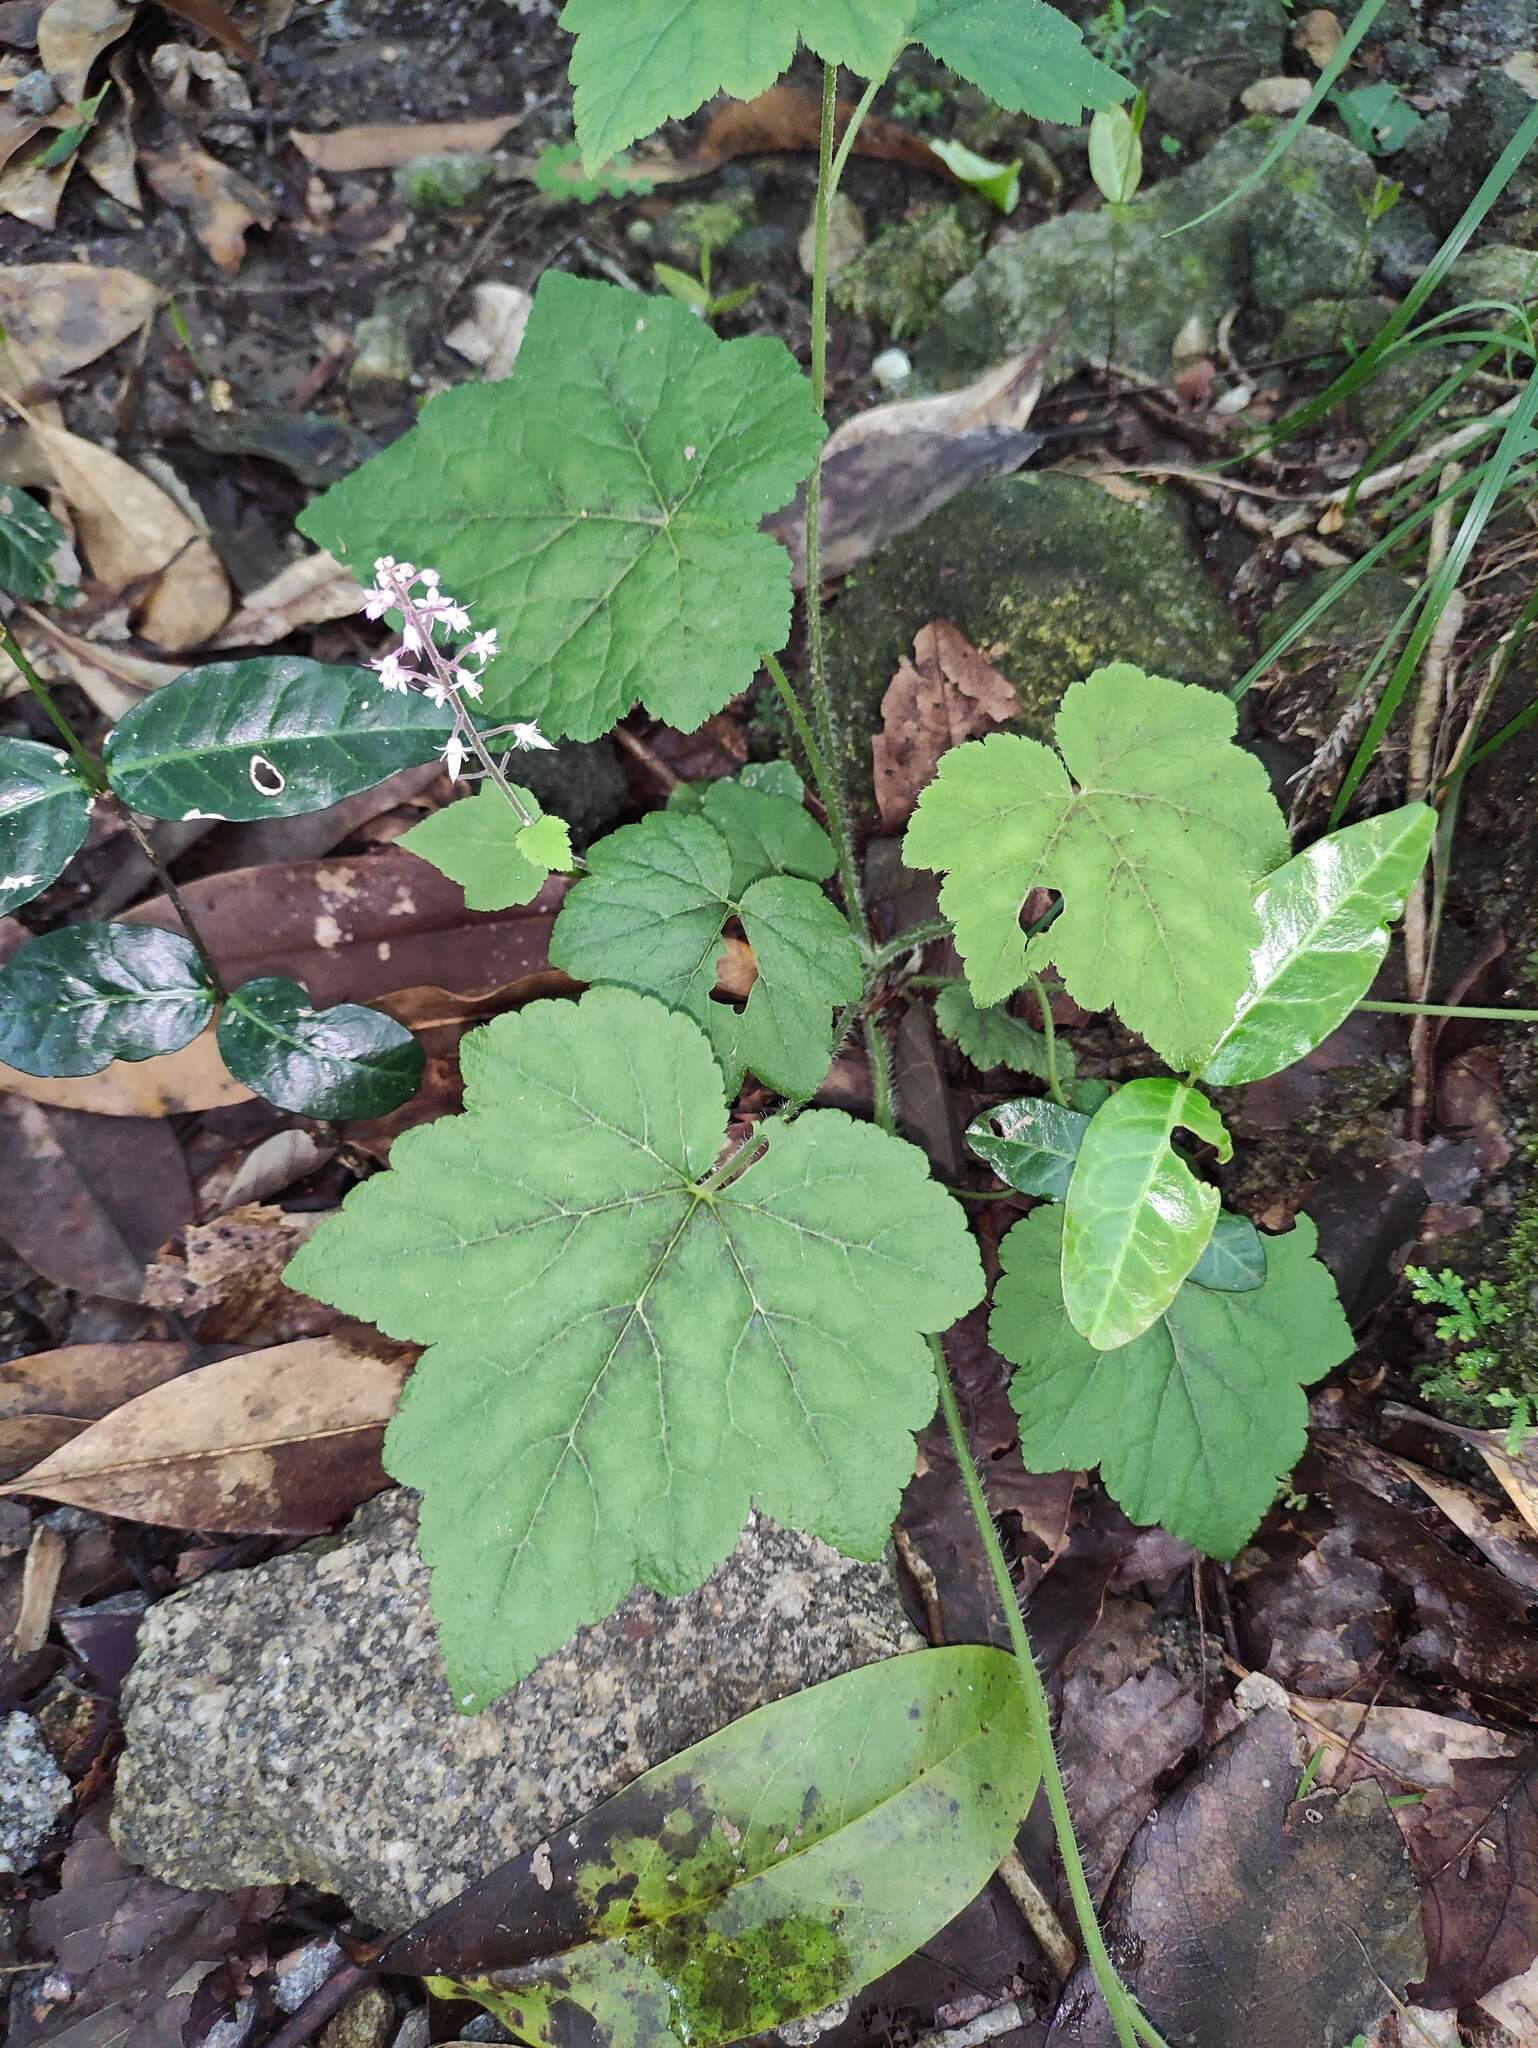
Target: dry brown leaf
{"points": [[71, 35], [948, 693], [283, 1441], [222, 205], [85, 1381], [274, 1165], [229, 1274], [380, 146], [68, 314], [195, 1078], [1502, 1537], [887, 469], [1317, 34], [1283, 95], [493, 335], [311, 592], [24, 1439], [214, 23], [1514, 2005], [1516, 1473], [32, 192], [136, 538], [110, 157], [39, 1583], [787, 117], [1410, 1746]]}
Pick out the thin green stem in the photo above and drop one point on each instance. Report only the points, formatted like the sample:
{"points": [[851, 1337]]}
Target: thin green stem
{"points": [[1049, 1037], [1125, 2017], [882, 1083], [822, 775], [96, 776], [84, 760], [1454, 1010]]}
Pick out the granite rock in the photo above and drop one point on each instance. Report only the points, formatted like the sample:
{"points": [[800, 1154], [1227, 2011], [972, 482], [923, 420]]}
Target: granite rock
{"points": [[33, 1793], [291, 1722]]}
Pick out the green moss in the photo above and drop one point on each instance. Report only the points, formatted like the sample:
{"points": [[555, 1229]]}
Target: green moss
{"points": [[437, 183], [709, 223], [899, 280]]}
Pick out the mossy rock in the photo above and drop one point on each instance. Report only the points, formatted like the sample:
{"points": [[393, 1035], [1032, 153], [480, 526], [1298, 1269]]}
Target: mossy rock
{"points": [[1296, 236], [1500, 271], [437, 184], [898, 281], [1051, 577]]}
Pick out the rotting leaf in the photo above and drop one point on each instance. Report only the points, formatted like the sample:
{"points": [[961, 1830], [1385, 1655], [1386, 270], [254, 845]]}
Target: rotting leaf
{"points": [[222, 206], [947, 693], [67, 314], [285, 1440], [1241, 1915], [759, 1876], [1474, 1845]]}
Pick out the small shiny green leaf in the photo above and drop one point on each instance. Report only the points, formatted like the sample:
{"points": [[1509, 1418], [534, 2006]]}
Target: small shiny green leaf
{"points": [[651, 912], [269, 738], [623, 1359], [993, 1037], [600, 508], [479, 842], [1137, 1219], [1235, 1258], [45, 813], [1031, 1144], [342, 1063], [31, 541], [759, 1876], [1324, 929], [81, 997], [1153, 825], [1115, 154], [1192, 1423], [546, 844]]}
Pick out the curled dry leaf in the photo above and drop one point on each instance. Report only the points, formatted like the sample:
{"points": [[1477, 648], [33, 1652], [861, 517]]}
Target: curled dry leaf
{"points": [[1502, 1537], [71, 35], [221, 205], [947, 693], [285, 1441], [139, 542], [110, 675], [310, 592], [229, 1274], [109, 155], [275, 1164], [68, 314], [380, 146]]}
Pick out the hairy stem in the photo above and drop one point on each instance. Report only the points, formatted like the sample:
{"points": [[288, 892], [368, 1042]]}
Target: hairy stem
{"points": [[93, 772]]}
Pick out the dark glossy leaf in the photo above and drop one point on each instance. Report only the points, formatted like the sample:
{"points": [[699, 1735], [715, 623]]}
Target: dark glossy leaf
{"points": [[1031, 1144], [267, 739], [1235, 1258], [30, 540], [77, 999], [45, 812], [760, 1875], [344, 1062]]}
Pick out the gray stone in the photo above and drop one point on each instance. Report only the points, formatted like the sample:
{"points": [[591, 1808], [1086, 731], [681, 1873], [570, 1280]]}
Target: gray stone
{"points": [[36, 94], [582, 781], [1297, 235], [292, 1723], [1051, 576], [1227, 44], [1500, 270], [33, 1793]]}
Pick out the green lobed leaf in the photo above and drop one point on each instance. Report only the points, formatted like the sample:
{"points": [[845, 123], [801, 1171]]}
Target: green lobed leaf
{"points": [[81, 997], [600, 508], [622, 1361], [1235, 1258], [1026, 56], [1324, 929], [767, 828], [270, 738], [1137, 1219], [992, 1037], [650, 915], [761, 1874], [30, 541], [479, 842], [1156, 846], [1031, 1144], [45, 813], [345, 1062], [1195, 1421]]}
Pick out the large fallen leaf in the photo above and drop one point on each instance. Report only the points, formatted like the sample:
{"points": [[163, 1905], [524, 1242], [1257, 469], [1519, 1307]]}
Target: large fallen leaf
{"points": [[285, 1440], [71, 35], [221, 205], [114, 678], [1408, 1747], [947, 693], [1514, 1467], [195, 1078], [1240, 1915], [381, 145], [310, 592], [760, 1875], [49, 1398], [1474, 1845], [139, 542], [67, 314], [1502, 1536], [88, 1203], [886, 470]]}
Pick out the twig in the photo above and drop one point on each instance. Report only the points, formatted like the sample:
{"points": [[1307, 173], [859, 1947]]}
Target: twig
{"points": [[922, 1573], [321, 2004], [666, 777], [987, 2026], [1040, 1916], [1425, 458]]}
